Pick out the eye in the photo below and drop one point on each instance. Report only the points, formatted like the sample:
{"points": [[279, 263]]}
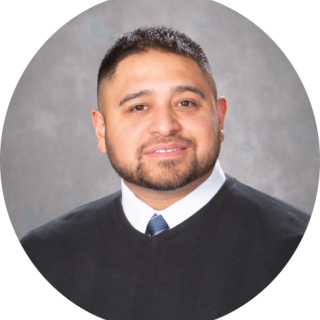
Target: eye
{"points": [[139, 108], [186, 103]]}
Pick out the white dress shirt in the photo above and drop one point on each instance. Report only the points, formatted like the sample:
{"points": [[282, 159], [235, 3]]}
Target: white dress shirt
{"points": [[139, 213]]}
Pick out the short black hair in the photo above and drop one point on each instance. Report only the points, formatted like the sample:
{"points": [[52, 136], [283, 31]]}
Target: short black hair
{"points": [[158, 38]]}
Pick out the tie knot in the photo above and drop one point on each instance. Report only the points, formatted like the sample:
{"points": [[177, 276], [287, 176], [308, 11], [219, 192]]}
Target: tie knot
{"points": [[157, 225]]}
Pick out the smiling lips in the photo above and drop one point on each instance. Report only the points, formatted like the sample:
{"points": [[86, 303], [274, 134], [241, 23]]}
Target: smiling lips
{"points": [[162, 151], [167, 150]]}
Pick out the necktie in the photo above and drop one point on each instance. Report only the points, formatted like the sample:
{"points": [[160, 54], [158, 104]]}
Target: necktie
{"points": [[157, 225]]}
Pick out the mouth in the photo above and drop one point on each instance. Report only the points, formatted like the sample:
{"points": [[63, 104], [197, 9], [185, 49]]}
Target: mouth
{"points": [[170, 153], [167, 150]]}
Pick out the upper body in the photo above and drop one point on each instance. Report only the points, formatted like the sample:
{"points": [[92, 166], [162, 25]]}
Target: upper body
{"points": [[161, 124], [203, 268]]}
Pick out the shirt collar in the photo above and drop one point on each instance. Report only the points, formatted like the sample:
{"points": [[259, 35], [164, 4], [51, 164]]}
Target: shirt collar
{"points": [[139, 213]]}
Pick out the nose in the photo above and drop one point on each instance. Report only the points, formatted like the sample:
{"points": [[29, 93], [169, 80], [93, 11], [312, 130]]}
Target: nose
{"points": [[165, 122]]}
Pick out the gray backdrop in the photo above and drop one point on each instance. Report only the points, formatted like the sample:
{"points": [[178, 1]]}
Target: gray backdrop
{"points": [[49, 159]]}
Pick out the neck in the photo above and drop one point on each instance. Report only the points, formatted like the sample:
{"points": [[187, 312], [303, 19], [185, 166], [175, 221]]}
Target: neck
{"points": [[160, 200]]}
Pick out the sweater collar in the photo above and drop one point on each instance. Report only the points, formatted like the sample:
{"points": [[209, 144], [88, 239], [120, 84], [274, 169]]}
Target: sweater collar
{"points": [[139, 213]]}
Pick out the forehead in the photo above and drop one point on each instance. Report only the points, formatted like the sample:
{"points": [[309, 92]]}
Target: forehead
{"points": [[154, 70], [156, 64]]}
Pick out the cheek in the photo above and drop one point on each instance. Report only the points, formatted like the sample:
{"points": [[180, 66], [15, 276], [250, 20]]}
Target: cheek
{"points": [[125, 139], [203, 130]]}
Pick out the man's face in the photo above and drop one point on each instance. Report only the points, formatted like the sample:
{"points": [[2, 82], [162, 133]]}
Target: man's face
{"points": [[162, 127]]}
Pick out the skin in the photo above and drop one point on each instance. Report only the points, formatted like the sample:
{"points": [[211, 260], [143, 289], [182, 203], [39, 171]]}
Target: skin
{"points": [[159, 119]]}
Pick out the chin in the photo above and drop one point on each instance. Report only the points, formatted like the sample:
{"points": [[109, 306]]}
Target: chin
{"points": [[167, 185], [167, 181]]}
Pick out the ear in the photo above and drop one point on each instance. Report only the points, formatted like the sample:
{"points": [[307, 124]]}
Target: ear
{"points": [[221, 111], [100, 129]]}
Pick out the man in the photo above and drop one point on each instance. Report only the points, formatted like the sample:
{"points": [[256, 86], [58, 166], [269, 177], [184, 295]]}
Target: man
{"points": [[181, 240]]}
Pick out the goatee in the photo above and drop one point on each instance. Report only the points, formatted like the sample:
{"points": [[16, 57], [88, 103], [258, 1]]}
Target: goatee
{"points": [[167, 174]]}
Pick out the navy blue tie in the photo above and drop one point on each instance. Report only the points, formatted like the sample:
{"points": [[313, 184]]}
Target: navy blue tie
{"points": [[157, 225]]}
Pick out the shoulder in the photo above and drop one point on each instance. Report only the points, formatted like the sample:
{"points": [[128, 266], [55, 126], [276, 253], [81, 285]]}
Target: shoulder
{"points": [[282, 218], [75, 226]]}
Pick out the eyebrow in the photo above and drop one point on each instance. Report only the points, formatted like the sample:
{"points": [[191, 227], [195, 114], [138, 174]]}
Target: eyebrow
{"points": [[130, 96], [188, 88], [148, 93]]}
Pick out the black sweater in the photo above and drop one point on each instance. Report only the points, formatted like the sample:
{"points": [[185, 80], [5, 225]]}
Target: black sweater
{"points": [[207, 266]]}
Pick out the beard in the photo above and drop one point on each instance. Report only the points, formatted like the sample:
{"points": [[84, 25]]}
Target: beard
{"points": [[167, 174]]}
